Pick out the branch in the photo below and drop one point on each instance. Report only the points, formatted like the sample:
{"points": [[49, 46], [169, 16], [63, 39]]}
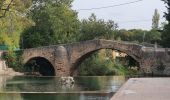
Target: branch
{"points": [[6, 9]]}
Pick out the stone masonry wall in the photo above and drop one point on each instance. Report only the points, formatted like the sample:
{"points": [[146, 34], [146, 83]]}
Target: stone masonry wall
{"points": [[65, 57], [2, 63]]}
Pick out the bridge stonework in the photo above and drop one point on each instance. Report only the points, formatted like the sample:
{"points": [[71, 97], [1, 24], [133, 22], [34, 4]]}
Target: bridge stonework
{"points": [[65, 58]]}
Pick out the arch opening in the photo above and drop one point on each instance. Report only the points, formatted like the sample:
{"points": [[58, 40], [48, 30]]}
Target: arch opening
{"points": [[125, 59], [39, 66]]}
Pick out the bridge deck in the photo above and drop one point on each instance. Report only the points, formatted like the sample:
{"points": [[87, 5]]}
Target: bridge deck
{"points": [[144, 89]]}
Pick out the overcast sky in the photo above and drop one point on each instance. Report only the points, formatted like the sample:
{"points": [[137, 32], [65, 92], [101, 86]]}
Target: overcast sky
{"points": [[136, 15]]}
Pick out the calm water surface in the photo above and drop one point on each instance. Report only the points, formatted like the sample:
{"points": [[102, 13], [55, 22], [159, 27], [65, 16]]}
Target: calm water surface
{"points": [[49, 88]]}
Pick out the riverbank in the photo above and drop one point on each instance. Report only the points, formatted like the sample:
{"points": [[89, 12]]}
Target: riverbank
{"points": [[144, 89], [10, 72], [5, 70]]}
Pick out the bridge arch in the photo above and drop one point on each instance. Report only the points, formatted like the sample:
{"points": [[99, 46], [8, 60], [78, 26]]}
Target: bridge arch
{"points": [[85, 56], [83, 50], [65, 57], [40, 66]]}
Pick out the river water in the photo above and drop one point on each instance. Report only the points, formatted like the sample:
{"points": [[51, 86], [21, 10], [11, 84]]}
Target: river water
{"points": [[49, 88]]}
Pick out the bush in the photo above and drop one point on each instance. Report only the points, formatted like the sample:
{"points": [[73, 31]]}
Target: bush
{"points": [[105, 66], [14, 60]]}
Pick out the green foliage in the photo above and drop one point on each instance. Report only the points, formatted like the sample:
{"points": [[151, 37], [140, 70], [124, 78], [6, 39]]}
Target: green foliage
{"points": [[51, 22], [92, 67], [13, 23], [126, 35], [14, 60], [14, 6], [166, 31], [55, 22], [98, 65], [138, 35], [92, 28], [166, 36], [153, 36], [33, 38], [167, 14]]}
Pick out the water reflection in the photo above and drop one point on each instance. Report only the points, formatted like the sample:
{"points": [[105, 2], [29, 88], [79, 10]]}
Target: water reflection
{"points": [[43, 88]]}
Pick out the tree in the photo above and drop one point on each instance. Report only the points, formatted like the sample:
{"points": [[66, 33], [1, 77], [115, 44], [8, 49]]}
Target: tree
{"points": [[153, 36], [166, 31], [55, 22], [138, 35], [13, 5], [4, 7], [93, 28], [135, 35], [125, 35], [155, 19], [13, 22]]}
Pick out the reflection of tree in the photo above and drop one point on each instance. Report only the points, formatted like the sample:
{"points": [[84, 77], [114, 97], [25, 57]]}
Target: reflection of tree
{"points": [[39, 84], [3, 88], [32, 84], [3, 81], [44, 85], [89, 83], [47, 96], [10, 96], [100, 84]]}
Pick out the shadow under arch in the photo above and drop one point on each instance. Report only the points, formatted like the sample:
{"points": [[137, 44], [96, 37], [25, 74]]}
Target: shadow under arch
{"points": [[87, 55], [40, 66]]}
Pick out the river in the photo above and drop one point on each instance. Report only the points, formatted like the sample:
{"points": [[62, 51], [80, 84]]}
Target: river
{"points": [[49, 88]]}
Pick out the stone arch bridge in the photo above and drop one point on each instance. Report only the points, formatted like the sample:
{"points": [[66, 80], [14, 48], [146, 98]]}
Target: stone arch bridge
{"points": [[65, 58]]}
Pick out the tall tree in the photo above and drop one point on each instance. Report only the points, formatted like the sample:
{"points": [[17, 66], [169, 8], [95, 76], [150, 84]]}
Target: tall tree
{"points": [[55, 22], [155, 19], [166, 31]]}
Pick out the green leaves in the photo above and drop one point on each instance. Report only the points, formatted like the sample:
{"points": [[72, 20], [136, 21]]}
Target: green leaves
{"points": [[139, 36], [166, 31], [14, 60], [14, 22], [101, 64], [92, 28], [55, 23]]}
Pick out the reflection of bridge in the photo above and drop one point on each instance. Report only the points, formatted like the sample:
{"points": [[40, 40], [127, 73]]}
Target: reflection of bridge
{"points": [[65, 58]]}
